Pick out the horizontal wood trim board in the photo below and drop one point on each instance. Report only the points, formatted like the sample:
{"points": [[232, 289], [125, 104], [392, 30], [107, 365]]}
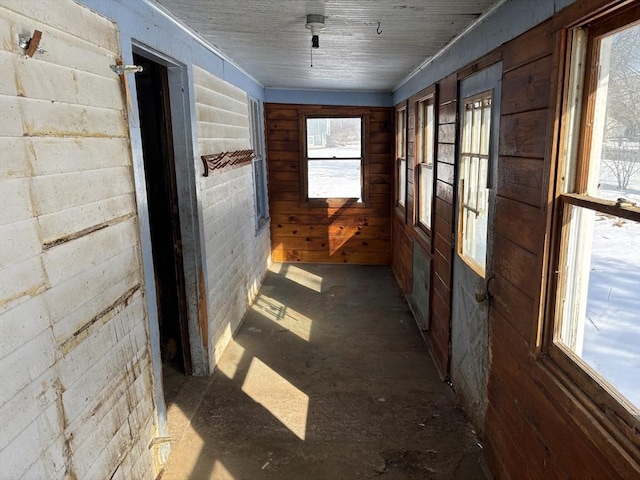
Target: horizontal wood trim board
{"points": [[311, 219], [331, 245], [331, 231], [341, 256]]}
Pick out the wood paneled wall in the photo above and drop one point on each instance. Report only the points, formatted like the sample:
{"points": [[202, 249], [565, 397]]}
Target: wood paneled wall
{"points": [[537, 426], [530, 414], [440, 331], [438, 247], [330, 232]]}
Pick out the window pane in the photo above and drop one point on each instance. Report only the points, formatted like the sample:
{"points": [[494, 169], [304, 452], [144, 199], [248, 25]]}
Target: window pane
{"points": [[400, 134], [483, 192], [615, 143], [426, 194], [402, 180], [425, 135], [420, 140], [401, 164], [464, 178], [472, 184], [485, 130], [429, 128], [474, 238], [476, 130], [473, 181], [466, 132], [256, 124], [334, 178], [259, 179], [334, 137], [600, 321]]}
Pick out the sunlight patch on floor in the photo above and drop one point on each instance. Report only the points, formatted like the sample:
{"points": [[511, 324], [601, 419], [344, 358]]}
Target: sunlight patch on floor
{"points": [[189, 462], [285, 316], [304, 278], [281, 398], [220, 473], [233, 355], [223, 339]]}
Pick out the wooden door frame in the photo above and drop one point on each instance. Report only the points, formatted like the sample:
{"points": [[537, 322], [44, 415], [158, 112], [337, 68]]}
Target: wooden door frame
{"points": [[180, 106]]}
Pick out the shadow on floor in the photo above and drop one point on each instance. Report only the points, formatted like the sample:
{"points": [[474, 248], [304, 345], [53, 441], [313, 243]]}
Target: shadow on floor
{"points": [[328, 378]]}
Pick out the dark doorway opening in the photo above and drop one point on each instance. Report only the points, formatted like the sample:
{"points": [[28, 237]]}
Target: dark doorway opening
{"points": [[162, 198]]}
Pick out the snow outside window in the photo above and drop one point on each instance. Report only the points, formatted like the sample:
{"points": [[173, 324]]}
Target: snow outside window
{"points": [[598, 309], [334, 160]]}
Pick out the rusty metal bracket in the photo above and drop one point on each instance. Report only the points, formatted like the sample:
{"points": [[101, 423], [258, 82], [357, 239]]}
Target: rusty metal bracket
{"points": [[221, 162], [31, 45]]}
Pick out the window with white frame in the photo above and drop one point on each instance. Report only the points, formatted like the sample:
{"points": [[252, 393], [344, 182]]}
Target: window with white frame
{"points": [[401, 156], [334, 157], [259, 168], [595, 333], [474, 175], [424, 163]]}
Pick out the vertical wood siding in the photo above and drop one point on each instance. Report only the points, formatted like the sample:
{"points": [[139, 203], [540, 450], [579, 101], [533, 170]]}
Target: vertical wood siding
{"points": [[306, 233], [440, 332], [438, 248], [534, 427], [76, 396], [236, 257]]}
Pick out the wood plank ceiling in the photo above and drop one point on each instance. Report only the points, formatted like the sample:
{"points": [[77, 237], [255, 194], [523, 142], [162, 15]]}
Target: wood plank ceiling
{"points": [[367, 45]]}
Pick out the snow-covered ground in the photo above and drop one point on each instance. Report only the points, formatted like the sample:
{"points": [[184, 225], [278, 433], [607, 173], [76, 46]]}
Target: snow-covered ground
{"points": [[612, 328], [334, 178]]}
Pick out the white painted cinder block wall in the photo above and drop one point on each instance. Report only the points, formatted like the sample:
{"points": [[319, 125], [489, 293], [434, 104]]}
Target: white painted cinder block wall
{"points": [[77, 390], [237, 256], [75, 379]]}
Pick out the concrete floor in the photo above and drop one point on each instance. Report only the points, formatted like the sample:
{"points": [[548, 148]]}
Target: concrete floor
{"points": [[328, 378]]}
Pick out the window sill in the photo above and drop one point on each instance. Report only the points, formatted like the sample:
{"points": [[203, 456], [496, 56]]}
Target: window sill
{"points": [[333, 203], [583, 391]]}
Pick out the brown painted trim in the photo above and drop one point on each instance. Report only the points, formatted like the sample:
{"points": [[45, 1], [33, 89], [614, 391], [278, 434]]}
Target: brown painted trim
{"points": [[585, 11], [491, 58], [554, 132]]}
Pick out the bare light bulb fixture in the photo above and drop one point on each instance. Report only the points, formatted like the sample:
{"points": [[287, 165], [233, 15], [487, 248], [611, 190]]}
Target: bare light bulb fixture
{"points": [[315, 23]]}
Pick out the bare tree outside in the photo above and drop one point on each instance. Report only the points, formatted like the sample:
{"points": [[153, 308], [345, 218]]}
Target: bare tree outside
{"points": [[621, 153]]}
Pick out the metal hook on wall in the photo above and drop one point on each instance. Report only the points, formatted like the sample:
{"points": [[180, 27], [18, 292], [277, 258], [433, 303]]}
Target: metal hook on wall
{"points": [[31, 45], [378, 31]]}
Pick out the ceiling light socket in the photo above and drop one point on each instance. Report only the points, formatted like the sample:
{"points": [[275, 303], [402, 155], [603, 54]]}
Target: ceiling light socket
{"points": [[315, 23]]}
